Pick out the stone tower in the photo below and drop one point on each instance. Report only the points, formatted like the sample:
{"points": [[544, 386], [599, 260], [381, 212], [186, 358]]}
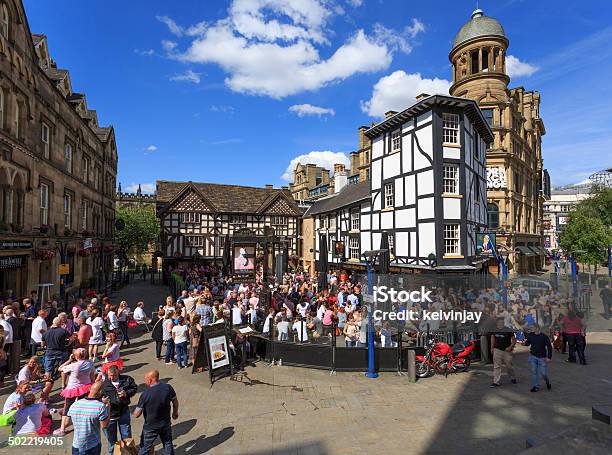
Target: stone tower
{"points": [[514, 159]]}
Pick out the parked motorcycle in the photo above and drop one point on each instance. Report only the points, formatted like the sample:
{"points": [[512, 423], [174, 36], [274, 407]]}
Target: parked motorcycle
{"points": [[443, 359]]}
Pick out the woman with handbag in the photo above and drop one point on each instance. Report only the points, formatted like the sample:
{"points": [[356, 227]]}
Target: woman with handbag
{"points": [[123, 314], [158, 333]]}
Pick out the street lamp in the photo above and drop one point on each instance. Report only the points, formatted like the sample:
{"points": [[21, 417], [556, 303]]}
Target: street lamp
{"points": [[501, 255], [370, 259]]}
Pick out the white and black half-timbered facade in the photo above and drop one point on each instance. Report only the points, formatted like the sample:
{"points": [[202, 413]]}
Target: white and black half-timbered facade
{"points": [[197, 217]]}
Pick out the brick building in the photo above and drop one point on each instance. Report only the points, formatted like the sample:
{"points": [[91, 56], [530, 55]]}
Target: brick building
{"points": [[58, 168]]}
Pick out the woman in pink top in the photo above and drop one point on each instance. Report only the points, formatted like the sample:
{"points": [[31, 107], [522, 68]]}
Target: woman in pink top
{"points": [[328, 321], [81, 375], [573, 328]]}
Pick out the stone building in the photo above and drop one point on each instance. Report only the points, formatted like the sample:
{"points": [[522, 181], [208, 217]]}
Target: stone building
{"points": [[514, 159], [139, 199], [557, 211], [57, 170], [309, 182]]}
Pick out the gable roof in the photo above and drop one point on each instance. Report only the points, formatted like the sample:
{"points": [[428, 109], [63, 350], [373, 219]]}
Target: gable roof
{"points": [[229, 198], [348, 195]]}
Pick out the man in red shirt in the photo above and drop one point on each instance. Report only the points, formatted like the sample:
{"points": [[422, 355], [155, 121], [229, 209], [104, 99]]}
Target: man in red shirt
{"points": [[84, 334], [574, 328]]}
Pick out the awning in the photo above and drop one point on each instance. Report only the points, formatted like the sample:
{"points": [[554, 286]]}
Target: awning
{"points": [[525, 250], [538, 250]]}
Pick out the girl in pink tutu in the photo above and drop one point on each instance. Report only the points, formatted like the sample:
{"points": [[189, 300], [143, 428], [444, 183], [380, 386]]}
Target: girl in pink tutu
{"points": [[81, 374]]}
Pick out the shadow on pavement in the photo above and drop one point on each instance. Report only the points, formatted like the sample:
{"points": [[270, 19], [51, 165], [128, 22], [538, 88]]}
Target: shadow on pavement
{"points": [[204, 443], [484, 420], [306, 448]]}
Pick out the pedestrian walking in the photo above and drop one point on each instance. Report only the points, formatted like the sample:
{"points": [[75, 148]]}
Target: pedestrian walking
{"points": [[503, 341], [118, 388], [540, 354], [156, 402], [167, 336], [158, 334], [573, 328], [606, 299], [180, 335]]}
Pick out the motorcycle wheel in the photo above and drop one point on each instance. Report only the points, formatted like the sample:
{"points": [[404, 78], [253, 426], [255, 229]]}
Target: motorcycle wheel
{"points": [[441, 366], [423, 370], [463, 366]]}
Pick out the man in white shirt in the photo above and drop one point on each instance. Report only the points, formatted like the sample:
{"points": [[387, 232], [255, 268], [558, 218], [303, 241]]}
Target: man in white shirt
{"points": [[299, 327], [268, 321], [8, 342], [39, 326], [302, 307], [283, 329], [139, 313]]}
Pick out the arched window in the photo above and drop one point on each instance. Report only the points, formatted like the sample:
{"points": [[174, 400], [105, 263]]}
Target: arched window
{"points": [[17, 119], [5, 22], [492, 215]]}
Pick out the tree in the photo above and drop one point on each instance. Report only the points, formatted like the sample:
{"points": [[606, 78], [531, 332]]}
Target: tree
{"points": [[590, 227], [141, 227]]}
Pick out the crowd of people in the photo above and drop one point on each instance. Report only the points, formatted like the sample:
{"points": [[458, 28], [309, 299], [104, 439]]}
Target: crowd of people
{"points": [[80, 351]]}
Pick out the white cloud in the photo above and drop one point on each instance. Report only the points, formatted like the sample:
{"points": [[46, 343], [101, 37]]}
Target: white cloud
{"points": [[302, 110], [516, 68], [147, 188], [398, 91], [227, 141], [355, 3], [326, 158], [187, 76], [270, 47], [222, 108], [146, 52], [174, 28], [169, 45], [151, 148], [416, 27]]}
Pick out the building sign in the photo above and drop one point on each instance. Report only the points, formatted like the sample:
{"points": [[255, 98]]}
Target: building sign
{"points": [[561, 220], [64, 269], [496, 178], [485, 244], [547, 241], [243, 262], [12, 262], [15, 244], [339, 250], [87, 244]]}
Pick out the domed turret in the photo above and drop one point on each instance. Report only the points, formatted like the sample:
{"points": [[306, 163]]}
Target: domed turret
{"points": [[478, 57]]}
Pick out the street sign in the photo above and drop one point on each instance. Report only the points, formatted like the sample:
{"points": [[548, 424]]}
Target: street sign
{"points": [[485, 244], [64, 269]]}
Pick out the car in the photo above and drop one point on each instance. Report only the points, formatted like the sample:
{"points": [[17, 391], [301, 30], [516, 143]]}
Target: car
{"points": [[533, 284]]}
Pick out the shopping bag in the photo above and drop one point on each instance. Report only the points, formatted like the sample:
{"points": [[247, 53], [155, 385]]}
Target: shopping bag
{"points": [[8, 418], [125, 447], [132, 324]]}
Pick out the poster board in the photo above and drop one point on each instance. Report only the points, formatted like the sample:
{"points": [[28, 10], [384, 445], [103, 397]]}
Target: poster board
{"points": [[217, 348], [485, 244], [243, 262], [339, 250]]}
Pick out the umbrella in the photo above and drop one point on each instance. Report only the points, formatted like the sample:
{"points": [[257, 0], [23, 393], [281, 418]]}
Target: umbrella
{"points": [[384, 258], [322, 262], [226, 255]]}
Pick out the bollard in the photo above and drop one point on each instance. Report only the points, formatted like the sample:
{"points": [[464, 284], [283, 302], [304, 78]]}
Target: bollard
{"points": [[411, 365], [484, 349]]}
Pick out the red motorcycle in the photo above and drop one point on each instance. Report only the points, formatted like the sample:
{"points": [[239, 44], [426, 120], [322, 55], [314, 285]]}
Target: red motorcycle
{"points": [[443, 359]]}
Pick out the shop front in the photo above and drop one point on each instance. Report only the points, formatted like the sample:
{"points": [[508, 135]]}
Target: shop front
{"points": [[13, 275]]}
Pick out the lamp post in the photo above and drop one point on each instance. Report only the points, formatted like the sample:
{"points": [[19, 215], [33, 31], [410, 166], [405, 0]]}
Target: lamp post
{"points": [[370, 260], [62, 248], [502, 261]]}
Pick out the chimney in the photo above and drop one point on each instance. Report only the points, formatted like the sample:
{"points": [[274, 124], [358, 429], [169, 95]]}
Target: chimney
{"points": [[364, 141], [269, 186], [422, 96], [390, 114], [340, 177]]}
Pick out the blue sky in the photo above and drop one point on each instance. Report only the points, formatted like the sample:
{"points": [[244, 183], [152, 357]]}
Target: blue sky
{"points": [[236, 91]]}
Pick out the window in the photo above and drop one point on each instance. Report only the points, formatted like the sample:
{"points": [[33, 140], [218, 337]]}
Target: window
{"points": [[565, 208], [67, 211], [354, 250], [86, 169], [8, 206], [450, 179], [69, 158], [474, 58], [45, 138], [84, 214], [279, 221], [44, 204], [324, 222], [5, 22], [451, 239], [332, 221], [485, 60], [389, 195], [492, 216], [17, 118], [391, 245], [194, 240], [450, 128], [396, 141], [517, 182], [488, 115], [190, 217], [237, 219], [355, 219], [1, 109]]}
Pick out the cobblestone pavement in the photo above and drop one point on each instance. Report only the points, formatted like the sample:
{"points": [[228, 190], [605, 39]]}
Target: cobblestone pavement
{"points": [[286, 410]]}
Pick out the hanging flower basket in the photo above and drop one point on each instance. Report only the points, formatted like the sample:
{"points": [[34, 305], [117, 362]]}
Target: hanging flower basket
{"points": [[84, 252], [109, 248], [90, 293], [44, 254], [44, 228]]}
